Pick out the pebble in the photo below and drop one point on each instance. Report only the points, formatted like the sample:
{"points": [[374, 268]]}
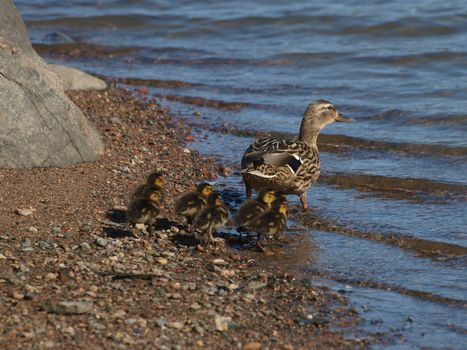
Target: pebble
{"points": [[2, 256], [70, 307], [222, 322], [162, 261], [175, 325], [254, 285], [32, 229], [252, 346], [160, 323], [25, 212], [101, 242], [56, 230], [51, 276], [85, 246], [219, 262]]}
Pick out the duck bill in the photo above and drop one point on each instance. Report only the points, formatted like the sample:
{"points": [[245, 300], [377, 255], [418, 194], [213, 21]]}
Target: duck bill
{"points": [[341, 118]]}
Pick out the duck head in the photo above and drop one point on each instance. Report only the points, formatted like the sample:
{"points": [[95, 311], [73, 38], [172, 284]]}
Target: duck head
{"points": [[318, 114], [204, 189], [267, 196], [156, 178], [215, 199]]}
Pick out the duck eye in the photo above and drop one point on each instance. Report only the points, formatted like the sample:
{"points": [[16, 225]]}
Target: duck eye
{"points": [[330, 108]]}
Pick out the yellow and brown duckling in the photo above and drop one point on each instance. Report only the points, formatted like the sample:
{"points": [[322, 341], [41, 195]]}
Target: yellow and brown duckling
{"points": [[191, 203], [271, 224], [252, 208], [154, 180], [212, 217], [144, 209]]}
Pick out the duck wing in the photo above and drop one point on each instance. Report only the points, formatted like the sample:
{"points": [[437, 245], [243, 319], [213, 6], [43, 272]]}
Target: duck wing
{"points": [[267, 155]]}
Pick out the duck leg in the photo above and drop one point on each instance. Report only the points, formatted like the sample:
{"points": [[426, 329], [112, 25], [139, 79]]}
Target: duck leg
{"points": [[303, 200], [248, 191]]}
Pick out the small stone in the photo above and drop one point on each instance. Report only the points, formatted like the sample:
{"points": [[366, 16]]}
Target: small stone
{"points": [[222, 322], [86, 228], [175, 325], [195, 306], [2, 257], [197, 113], [101, 242], [186, 150], [254, 285], [18, 295], [51, 276], [56, 230], [160, 323], [32, 229], [70, 331], [85, 246], [43, 244], [252, 346], [199, 330], [28, 335], [227, 273], [25, 212], [219, 262], [162, 261], [70, 307]]}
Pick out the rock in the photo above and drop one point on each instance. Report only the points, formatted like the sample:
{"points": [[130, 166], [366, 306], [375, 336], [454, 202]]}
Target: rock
{"points": [[22, 212], [32, 229], [162, 261], [51, 276], [160, 323], [70, 307], [252, 346], [222, 322], [219, 262], [39, 125], [2, 257], [175, 325], [101, 242], [85, 246], [74, 79], [56, 230], [254, 285]]}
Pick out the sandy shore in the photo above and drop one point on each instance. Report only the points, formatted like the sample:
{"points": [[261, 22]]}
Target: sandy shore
{"points": [[71, 276]]}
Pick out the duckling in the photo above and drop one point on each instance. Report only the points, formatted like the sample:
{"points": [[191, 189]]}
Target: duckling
{"points": [[252, 208], [272, 223], [154, 179], [144, 210], [213, 216], [191, 203], [290, 166]]}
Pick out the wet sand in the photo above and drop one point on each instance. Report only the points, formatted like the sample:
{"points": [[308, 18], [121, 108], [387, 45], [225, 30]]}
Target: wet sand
{"points": [[156, 291]]}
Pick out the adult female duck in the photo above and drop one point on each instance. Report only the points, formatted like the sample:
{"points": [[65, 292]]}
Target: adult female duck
{"points": [[289, 166]]}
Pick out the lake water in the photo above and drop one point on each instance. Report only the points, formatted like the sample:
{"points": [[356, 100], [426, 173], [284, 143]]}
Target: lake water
{"points": [[391, 201]]}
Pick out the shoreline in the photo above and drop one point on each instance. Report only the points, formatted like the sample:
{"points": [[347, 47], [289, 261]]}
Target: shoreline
{"points": [[158, 292]]}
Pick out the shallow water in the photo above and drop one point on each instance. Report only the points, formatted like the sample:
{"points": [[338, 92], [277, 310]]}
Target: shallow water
{"points": [[399, 69]]}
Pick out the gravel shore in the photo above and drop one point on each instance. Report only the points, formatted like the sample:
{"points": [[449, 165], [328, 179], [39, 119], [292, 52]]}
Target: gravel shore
{"points": [[72, 276]]}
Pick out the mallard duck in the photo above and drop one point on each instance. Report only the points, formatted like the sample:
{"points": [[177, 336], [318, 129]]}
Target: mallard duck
{"points": [[144, 210], [271, 224], [290, 166], [154, 180], [213, 216], [252, 208], [190, 204]]}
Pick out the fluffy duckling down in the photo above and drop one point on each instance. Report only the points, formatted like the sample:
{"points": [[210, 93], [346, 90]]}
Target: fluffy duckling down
{"points": [[252, 208], [271, 224], [191, 203], [154, 180], [212, 217], [144, 209]]}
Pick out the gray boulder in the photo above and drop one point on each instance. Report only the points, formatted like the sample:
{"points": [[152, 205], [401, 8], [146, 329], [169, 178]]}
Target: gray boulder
{"points": [[39, 125], [74, 79]]}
